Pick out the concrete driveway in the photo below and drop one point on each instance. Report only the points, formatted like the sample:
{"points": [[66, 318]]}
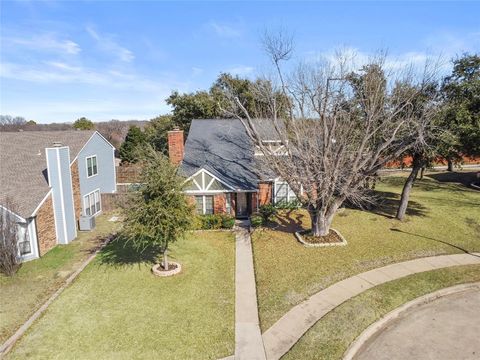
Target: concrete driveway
{"points": [[445, 329]]}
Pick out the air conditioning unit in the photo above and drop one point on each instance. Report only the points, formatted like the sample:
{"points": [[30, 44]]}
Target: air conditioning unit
{"points": [[86, 223]]}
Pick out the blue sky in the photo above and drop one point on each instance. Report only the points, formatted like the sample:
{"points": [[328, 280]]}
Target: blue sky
{"points": [[120, 60]]}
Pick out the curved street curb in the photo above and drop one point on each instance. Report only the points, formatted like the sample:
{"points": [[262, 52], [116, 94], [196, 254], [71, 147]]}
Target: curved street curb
{"points": [[282, 335], [370, 332]]}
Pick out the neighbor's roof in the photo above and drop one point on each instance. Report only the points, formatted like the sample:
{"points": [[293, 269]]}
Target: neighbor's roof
{"points": [[23, 175], [222, 147]]}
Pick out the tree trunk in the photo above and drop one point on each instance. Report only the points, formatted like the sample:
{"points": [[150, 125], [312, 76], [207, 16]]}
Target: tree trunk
{"points": [[422, 170], [402, 208], [322, 220], [449, 164], [165, 260]]}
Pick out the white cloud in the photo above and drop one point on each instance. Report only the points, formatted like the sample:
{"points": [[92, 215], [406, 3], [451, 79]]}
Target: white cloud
{"points": [[108, 45], [224, 30], [241, 70], [46, 42]]}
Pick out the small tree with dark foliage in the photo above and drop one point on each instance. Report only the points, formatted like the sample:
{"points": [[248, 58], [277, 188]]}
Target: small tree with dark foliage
{"points": [[9, 254], [159, 213]]}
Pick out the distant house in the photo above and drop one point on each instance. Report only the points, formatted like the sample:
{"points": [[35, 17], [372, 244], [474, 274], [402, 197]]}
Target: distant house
{"points": [[223, 170], [52, 178]]}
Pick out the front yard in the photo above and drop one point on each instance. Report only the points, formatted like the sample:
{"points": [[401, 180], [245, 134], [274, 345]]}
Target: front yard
{"points": [[443, 218], [36, 281], [117, 309]]}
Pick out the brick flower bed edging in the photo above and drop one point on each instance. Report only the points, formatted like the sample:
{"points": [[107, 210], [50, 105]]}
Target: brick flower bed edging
{"points": [[299, 237], [164, 273], [12, 340]]}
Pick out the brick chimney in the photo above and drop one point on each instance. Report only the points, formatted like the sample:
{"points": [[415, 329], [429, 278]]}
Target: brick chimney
{"points": [[175, 146]]}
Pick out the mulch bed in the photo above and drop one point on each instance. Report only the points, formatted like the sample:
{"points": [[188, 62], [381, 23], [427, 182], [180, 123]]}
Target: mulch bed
{"points": [[331, 238], [171, 266]]}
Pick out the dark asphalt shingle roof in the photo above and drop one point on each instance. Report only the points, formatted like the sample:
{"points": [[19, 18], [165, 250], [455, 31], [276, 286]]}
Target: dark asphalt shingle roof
{"points": [[222, 147], [23, 175]]}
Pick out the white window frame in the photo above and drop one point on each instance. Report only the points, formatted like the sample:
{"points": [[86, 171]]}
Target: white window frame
{"points": [[96, 163], [290, 194], [271, 144], [204, 204], [96, 196]]}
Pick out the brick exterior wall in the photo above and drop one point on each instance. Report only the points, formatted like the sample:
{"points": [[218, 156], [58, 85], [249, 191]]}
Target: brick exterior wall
{"points": [[128, 173], [77, 197], [47, 237], [254, 202], [264, 193], [175, 146], [219, 204]]}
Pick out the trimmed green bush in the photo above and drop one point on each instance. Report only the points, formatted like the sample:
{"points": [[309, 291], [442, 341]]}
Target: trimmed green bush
{"points": [[214, 222], [288, 205], [266, 212], [228, 222], [256, 220]]}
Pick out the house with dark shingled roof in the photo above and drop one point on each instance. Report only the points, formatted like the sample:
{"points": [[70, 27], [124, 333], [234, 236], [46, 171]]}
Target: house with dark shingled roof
{"points": [[49, 179], [223, 169]]}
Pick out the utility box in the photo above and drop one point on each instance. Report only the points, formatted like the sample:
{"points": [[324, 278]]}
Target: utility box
{"points": [[86, 223]]}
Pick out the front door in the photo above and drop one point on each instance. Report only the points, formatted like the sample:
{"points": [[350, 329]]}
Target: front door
{"points": [[241, 205]]}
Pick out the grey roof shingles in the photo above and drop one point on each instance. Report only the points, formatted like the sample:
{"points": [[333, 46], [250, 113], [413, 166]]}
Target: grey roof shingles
{"points": [[222, 147], [23, 175]]}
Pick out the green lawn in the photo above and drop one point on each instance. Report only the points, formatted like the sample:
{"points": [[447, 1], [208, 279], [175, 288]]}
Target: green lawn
{"points": [[117, 309], [330, 337], [26, 291], [444, 218]]}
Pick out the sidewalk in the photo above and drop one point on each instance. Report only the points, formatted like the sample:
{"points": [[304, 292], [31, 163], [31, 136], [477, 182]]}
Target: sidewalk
{"points": [[248, 338], [282, 335]]}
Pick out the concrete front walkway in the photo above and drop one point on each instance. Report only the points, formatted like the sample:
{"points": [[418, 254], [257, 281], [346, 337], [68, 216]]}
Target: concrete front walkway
{"points": [[446, 328], [248, 338], [279, 338]]}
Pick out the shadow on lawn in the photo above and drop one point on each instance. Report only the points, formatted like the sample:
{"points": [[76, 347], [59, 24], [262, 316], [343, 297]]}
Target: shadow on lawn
{"points": [[120, 252], [464, 178], [387, 204], [433, 239], [288, 221]]}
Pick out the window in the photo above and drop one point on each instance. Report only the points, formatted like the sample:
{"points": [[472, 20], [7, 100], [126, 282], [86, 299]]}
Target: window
{"points": [[92, 166], [275, 147], [91, 203], [24, 246], [283, 193], [204, 204]]}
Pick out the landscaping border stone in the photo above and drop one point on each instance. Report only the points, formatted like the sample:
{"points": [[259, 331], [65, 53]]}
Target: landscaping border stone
{"points": [[299, 237], [164, 273]]}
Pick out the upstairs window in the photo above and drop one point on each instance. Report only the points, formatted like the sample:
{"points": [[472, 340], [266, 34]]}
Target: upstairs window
{"points": [[92, 169], [274, 147]]}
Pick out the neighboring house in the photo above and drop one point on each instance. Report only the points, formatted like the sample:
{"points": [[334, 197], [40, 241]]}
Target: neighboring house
{"points": [[223, 168], [51, 178]]}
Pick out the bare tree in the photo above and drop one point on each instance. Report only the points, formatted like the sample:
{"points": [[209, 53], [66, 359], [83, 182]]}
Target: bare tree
{"points": [[425, 108], [9, 237], [343, 127]]}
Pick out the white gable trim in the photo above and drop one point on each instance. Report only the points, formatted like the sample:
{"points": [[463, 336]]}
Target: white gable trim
{"points": [[91, 137], [41, 203], [204, 171], [14, 214]]}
